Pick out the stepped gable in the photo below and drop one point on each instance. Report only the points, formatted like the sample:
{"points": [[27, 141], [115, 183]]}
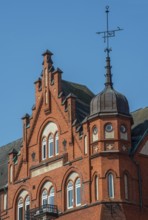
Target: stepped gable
{"points": [[4, 155], [140, 126], [83, 98]]}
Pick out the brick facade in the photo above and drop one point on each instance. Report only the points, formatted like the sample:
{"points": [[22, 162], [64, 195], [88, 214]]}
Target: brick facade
{"points": [[85, 150]]}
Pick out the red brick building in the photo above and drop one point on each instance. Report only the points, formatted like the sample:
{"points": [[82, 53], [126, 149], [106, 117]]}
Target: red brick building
{"points": [[81, 156]]}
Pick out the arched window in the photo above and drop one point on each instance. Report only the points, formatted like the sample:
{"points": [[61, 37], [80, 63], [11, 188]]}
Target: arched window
{"points": [[11, 173], [85, 144], [110, 185], [44, 149], [51, 146], [96, 188], [44, 197], [20, 209], [27, 203], [78, 192], [51, 197], [56, 143], [126, 186], [70, 201]]}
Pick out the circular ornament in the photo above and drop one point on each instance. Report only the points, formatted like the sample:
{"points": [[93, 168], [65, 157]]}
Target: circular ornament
{"points": [[122, 128], [109, 127]]}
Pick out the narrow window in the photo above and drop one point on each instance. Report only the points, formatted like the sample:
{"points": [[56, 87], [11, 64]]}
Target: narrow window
{"points": [[56, 144], [5, 201], [111, 185], [96, 188], [50, 146], [44, 149], [126, 186], [11, 173], [27, 203], [85, 145], [70, 195], [20, 209], [51, 196], [44, 198], [78, 192]]}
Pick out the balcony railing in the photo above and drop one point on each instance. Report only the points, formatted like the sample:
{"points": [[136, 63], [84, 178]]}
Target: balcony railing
{"points": [[44, 212]]}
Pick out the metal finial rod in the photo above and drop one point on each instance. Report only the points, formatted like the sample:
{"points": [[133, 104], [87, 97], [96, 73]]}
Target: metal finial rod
{"points": [[108, 33]]}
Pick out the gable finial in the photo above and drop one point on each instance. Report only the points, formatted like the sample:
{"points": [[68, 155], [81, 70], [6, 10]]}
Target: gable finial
{"points": [[108, 33]]}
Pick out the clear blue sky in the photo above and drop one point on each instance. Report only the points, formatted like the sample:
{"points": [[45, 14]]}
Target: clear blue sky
{"points": [[67, 28]]}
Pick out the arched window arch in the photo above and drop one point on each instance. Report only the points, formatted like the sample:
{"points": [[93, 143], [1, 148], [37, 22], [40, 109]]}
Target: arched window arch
{"points": [[44, 197], [51, 146], [78, 192], [20, 209], [96, 187], [57, 143], [51, 196], [110, 179], [126, 186], [44, 149], [70, 194]]}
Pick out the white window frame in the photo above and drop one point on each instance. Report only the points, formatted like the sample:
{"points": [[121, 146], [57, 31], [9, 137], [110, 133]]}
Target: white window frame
{"points": [[44, 196], [27, 202], [20, 205], [77, 185], [44, 149], [111, 186], [51, 194], [57, 143], [50, 140], [70, 188]]}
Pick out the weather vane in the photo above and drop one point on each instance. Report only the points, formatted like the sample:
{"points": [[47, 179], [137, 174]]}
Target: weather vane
{"points": [[108, 33]]}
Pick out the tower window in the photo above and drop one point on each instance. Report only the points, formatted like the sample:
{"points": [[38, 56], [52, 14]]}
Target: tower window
{"points": [[109, 127], [111, 185], [96, 188], [126, 186]]}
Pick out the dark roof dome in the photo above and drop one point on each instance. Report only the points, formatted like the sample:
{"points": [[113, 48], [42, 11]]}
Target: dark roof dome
{"points": [[109, 100]]}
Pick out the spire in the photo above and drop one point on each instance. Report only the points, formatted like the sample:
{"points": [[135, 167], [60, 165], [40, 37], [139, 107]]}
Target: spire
{"points": [[106, 35], [108, 74]]}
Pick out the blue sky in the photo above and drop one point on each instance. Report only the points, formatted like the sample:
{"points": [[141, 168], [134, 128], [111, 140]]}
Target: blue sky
{"points": [[68, 28]]}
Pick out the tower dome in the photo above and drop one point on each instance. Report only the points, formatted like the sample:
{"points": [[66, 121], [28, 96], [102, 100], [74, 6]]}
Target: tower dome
{"points": [[109, 101]]}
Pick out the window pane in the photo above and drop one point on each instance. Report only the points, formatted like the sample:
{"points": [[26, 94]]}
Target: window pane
{"points": [[126, 186], [51, 197], [20, 214], [44, 149], [78, 192], [70, 195], [56, 143], [111, 185], [51, 146], [96, 188]]}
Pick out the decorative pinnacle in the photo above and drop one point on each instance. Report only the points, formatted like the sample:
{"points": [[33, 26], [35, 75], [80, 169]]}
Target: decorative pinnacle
{"points": [[108, 33]]}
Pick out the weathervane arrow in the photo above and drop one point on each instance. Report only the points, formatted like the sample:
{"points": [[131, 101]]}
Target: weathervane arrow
{"points": [[108, 33]]}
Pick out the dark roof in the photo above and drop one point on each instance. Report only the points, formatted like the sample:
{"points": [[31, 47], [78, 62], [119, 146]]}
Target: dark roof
{"points": [[83, 98], [4, 154], [140, 126]]}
